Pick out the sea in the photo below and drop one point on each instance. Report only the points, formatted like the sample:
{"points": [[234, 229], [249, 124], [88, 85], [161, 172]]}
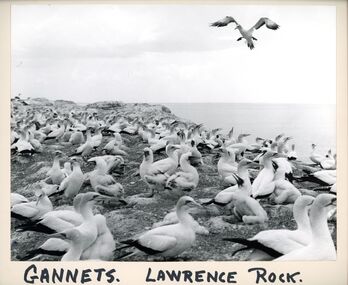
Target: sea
{"points": [[305, 123]]}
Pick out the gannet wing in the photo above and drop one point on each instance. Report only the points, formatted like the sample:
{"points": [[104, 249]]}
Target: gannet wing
{"points": [[158, 243], [25, 210], [223, 22], [269, 24]]}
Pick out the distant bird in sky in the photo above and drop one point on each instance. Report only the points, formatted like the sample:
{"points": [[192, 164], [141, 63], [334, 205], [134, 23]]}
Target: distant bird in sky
{"points": [[246, 34]]}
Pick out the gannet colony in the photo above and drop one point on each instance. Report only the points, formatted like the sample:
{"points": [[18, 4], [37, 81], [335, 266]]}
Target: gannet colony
{"points": [[115, 181]]}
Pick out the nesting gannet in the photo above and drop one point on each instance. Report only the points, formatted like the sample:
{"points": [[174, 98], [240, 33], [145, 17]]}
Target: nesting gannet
{"points": [[329, 162], [84, 235], [32, 210], [315, 156], [196, 157], [292, 155], [56, 134], [321, 246], [55, 174], [102, 182], [17, 199], [247, 209], [104, 246], [271, 244], [97, 139], [247, 34], [224, 197], [22, 145], [265, 176], [170, 240], [77, 138], [157, 173], [227, 164], [187, 178], [57, 220], [52, 246], [322, 177], [283, 190], [72, 184], [86, 148]]}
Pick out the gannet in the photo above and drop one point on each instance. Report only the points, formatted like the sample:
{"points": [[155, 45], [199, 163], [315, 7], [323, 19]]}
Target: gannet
{"points": [[97, 139], [247, 209], [56, 134], [57, 220], [84, 235], [87, 148], [170, 240], [283, 190], [227, 164], [55, 174], [224, 197], [322, 177], [247, 34], [321, 246], [271, 244], [22, 145], [77, 138], [17, 199], [32, 210], [52, 246], [102, 182], [187, 178], [157, 173], [72, 184], [329, 162], [315, 156], [265, 176], [292, 155]]}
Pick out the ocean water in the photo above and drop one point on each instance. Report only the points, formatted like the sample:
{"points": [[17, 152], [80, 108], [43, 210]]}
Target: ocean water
{"points": [[305, 123]]}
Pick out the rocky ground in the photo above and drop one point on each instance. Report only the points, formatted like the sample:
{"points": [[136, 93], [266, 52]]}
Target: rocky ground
{"points": [[127, 221]]}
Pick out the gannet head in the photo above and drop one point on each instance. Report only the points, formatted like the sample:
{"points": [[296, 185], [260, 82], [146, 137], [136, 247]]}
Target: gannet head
{"points": [[59, 154], [147, 153], [247, 163], [239, 180], [304, 201], [186, 202], [324, 200]]}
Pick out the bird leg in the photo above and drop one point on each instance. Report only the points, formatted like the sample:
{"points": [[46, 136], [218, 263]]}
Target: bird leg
{"points": [[239, 39], [254, 38]]}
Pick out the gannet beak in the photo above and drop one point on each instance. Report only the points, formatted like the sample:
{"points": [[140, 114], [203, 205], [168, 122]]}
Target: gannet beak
{"points": [[197, 204]]}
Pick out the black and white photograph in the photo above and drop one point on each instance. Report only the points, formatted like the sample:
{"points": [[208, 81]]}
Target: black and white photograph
{"points": [[164, 132]]}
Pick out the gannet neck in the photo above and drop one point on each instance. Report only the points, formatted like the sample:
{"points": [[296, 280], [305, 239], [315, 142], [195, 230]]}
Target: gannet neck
{"points": [[267, 162], [301, 217], [318, 221], [86, 211], [76, 168], [183, 216], [56, 162]]}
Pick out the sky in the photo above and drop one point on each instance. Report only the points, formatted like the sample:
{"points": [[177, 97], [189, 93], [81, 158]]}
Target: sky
{"points": [[169, 53]]}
